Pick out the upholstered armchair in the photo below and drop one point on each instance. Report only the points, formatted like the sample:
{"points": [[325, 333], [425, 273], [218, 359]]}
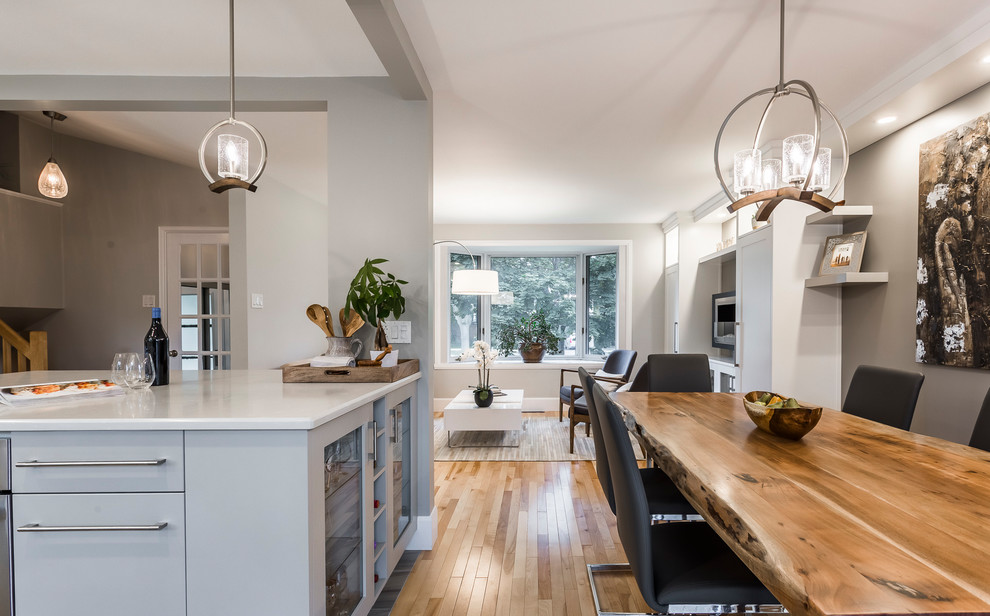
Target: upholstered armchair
{"points": [[616, 371]]}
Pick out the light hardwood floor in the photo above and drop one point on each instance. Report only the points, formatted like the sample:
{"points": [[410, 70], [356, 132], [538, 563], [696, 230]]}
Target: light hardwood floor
{"points": [[515, 538]]}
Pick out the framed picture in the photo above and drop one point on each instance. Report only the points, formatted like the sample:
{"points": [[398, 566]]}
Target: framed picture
{"points": [[843, 253]]}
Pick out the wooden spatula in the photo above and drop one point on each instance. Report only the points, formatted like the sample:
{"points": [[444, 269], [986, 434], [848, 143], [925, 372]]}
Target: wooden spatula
{"points": [[329, 318], [316, 315], [350, 322]]}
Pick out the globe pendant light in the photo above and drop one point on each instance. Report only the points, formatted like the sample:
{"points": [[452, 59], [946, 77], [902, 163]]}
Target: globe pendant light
{"points": [[51, 182], [805, 169], [233, 150]]}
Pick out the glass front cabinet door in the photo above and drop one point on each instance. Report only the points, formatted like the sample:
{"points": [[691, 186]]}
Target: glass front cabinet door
{"points": [[343, 481], [401, 469]]}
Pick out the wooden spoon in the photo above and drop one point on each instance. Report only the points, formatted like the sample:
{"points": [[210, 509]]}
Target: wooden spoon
{"points": [[329, 319], [316, 315], [350, 322]]}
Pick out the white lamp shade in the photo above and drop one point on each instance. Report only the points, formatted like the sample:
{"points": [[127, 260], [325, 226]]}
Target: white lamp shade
{"points": [[474, 282], [51, 182], [232, 157], [798, 152], [771, 174]]}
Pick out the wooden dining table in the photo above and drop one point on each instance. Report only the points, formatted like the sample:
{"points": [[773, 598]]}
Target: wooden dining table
{"points": [[856, 518]]}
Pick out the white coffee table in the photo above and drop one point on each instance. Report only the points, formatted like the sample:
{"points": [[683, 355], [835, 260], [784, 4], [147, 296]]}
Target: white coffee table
{"points": [[505, 414]]}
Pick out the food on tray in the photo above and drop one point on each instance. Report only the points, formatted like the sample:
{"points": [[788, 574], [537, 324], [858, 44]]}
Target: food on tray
{"points": [[60, 389]]}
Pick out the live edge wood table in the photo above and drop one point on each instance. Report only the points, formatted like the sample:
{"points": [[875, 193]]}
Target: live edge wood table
{"points": [[856, 518]]}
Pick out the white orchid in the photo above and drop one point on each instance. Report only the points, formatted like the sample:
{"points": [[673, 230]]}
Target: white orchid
{"points": [[485, 356]]}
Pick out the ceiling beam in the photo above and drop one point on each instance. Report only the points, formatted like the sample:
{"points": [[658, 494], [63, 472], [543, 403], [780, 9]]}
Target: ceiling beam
{"points": [[385, 31]]}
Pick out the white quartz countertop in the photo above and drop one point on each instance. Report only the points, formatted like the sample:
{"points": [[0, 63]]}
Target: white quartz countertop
{"points": [[208, 400]]}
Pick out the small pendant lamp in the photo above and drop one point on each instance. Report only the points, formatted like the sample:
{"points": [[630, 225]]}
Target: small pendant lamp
{"points": [[232, 150], [51, 182]]}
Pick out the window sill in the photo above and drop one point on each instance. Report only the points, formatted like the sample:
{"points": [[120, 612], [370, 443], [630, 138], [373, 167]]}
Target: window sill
{"points": [[546, 364]]}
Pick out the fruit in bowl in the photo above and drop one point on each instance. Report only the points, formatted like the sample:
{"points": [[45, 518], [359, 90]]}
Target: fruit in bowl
{"points": [[780, 415]]}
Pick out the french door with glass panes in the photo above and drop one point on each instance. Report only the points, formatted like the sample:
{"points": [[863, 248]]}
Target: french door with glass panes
{"points": [[197, 298]]}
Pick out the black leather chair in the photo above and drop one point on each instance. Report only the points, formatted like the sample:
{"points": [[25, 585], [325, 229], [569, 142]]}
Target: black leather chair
{"points": [[663, 497], [981, 431], [618, 362], [674, 372], [673, 564], [884, 395]]}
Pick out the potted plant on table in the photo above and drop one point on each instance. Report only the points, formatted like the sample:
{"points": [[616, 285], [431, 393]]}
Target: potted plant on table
{"points": [[485, 356], [375, 296], [532, 334]]}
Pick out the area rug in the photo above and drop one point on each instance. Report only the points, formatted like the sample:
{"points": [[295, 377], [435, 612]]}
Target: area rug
{"points": [[543, 439]]}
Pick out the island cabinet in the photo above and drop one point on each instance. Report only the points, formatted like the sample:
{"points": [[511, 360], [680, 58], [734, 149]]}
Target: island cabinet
{"points": [[231, 521]]}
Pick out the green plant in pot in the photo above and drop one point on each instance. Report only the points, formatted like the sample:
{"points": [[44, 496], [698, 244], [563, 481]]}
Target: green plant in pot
{"points": [[376, 296], [532, 335]]}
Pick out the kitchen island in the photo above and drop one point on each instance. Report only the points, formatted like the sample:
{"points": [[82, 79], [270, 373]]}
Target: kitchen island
{"points": [[225, 492]]}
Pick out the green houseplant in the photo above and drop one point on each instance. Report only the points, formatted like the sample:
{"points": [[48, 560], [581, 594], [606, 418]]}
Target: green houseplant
{"points": [[532, 334], [375, 296]]}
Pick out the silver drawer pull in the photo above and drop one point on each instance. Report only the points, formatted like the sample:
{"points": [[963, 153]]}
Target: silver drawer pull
{"points": [[35, 528], [37, 464]]}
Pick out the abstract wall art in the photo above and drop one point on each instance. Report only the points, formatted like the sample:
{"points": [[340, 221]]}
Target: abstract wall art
{"points": [[953, 311]]}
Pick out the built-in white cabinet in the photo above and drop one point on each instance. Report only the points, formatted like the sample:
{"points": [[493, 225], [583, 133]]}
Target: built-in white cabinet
{"points": [[99, 554], [670, 324], [215, 522]]}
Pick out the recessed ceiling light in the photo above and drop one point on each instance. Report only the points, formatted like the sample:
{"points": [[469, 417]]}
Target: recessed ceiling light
{"points": [[985, 59], [886, 119]]}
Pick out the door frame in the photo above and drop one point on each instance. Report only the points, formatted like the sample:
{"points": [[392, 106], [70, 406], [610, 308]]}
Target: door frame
{"points": [[163, 236]]}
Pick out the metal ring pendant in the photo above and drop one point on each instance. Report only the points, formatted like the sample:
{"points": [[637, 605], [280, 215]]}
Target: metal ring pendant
{"points": [[233, 122], [816, 104]]}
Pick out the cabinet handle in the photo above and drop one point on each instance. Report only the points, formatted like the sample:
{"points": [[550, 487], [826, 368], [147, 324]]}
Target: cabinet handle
{"points": [[738, 349], [36, 528], [374, 441], [37, 464]]}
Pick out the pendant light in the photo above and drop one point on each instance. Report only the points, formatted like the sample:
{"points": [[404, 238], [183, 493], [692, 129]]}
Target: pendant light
{"points": [[233, 150], [472, 281], [51, 182], [804, 170]]}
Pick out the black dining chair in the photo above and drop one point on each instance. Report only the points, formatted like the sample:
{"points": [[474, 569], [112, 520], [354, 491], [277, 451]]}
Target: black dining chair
{"points": [[678, 567], [981, 431], [884, 395], [664, 499], [674, 372], [619, 364]]}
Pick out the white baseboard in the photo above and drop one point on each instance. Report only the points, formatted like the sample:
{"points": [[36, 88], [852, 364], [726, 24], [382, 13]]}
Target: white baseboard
{"points": [[530, 405], [426, 532]]}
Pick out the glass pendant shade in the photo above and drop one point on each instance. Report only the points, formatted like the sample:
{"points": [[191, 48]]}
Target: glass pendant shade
{"points": [[771, 173], [51, 182], [798, 152], [232, 157], [822, 170], [747, 171], [474, 282]]}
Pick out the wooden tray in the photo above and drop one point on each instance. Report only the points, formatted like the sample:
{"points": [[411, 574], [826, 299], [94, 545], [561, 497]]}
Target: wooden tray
{"points": [[302, 372]]}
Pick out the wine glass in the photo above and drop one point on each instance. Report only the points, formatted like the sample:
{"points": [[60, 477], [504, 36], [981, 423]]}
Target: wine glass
{"points": [[118, 369], [139, 372]]}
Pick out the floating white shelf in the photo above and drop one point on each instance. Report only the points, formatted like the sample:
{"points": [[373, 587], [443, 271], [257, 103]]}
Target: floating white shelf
{"points": [[847, 278], [839, 215], [726, 254]]}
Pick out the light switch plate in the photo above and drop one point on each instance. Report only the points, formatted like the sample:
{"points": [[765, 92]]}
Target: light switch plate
{"points": [[257, 300], [399, 332], [148, 301]]}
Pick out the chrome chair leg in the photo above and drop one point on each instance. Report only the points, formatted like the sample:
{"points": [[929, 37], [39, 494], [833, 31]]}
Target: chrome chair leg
{"points": [[706, 609]]}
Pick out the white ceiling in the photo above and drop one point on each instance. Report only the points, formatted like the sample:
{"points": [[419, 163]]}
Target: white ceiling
{"points": [[544, 112], [591, 111]]}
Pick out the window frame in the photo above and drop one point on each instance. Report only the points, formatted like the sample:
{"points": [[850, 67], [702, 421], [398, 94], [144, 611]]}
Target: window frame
{"points": [[581, 250]]}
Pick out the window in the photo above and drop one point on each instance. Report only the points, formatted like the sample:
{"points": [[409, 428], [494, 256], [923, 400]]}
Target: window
{"points": [[578, 290], [670, 240]]}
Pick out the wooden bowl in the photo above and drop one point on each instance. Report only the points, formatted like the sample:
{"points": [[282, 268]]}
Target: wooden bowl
{"points": [[792, 423]]}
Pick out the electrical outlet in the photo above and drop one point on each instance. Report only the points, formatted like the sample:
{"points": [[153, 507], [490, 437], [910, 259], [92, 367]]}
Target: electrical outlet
{"points": [[257, 300], [148, 301], [399, 332]]}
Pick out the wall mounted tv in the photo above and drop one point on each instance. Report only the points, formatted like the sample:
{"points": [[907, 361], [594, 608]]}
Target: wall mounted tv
{"points": [[724, 320]]}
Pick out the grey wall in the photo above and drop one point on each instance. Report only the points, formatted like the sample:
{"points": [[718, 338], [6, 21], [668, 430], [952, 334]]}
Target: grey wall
{"points": [[879, 321], [30, 253], [116, 202]]}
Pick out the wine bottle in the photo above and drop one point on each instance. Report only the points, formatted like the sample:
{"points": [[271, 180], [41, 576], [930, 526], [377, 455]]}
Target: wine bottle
{"points": [[156, 345]]}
